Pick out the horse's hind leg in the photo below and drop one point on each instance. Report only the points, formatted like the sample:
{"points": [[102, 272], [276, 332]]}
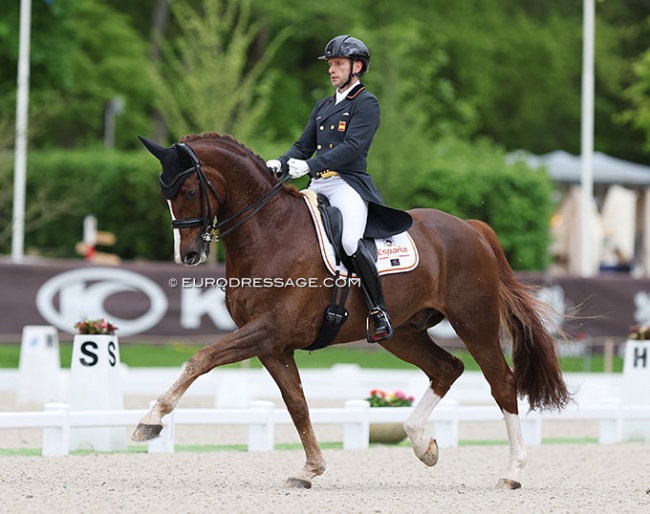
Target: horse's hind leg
{"points": [[284, 371], [486, 350], [442, 368]]}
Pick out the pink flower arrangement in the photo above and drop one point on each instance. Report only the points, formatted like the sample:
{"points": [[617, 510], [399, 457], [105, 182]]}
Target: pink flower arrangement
{"points": [[379, 398], [640, 332], [97, 326]]}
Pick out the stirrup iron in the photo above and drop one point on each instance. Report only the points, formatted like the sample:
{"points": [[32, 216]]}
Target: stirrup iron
{"points": [[378, 326]]}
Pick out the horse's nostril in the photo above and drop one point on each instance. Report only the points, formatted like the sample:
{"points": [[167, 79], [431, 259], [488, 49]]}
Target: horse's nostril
{"points": [[191, 258]]}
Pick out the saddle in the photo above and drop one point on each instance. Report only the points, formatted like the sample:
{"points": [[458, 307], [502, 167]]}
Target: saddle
{"points": [[332, 220], [392, 255], [335, 314]]}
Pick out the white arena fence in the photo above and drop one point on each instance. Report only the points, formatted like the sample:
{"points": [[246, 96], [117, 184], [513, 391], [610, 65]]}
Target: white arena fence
{"points": [[242, 398], [233, 388], [261, 418]]}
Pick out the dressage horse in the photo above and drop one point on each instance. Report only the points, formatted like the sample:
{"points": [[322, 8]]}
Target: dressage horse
{"points": [[267, 232]]}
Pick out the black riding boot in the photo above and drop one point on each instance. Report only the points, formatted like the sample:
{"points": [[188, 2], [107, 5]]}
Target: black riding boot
{"points": [[364, 266]]}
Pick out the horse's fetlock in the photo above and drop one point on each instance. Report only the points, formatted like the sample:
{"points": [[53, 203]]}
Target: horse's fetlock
{"points": [[315, 468], [414, 430]]}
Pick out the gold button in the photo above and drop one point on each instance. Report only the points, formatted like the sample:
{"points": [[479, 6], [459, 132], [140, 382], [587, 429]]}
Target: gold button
{"points": [[332, 127], [319, 147], [331, 145], [322, 128]]}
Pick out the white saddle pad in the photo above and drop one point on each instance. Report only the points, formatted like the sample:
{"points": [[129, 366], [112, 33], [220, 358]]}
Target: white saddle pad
{"points": [[395, 254]]}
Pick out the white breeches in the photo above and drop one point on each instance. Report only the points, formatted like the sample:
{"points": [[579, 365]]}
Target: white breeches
{"points": [[353, 208]]}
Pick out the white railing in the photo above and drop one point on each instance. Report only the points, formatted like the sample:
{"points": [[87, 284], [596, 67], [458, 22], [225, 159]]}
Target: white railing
{"points": [[261, 418], [241, 398], [236, 388]]}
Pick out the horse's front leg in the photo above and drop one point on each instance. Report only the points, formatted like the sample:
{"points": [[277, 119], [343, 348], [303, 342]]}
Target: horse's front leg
{"points": [[249, 341], [284, 371], [424, 447]]}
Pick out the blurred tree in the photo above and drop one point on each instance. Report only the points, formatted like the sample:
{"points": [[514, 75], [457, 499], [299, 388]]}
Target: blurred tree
{"points": [[205, 80], [509, 69], [83, 55], [639, 95], [52, 42]]}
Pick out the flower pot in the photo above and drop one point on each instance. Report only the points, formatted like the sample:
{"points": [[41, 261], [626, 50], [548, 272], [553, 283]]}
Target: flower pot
{"points": [[387, 433]]}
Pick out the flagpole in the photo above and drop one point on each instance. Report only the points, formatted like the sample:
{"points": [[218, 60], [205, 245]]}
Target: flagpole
{"points": [[587, 139], [20, 159]]}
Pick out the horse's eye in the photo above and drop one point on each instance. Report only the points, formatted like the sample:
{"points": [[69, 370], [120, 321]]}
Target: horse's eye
{"points": [[190, 194]]}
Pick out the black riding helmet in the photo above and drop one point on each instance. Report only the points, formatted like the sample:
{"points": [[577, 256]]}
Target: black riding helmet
{"points": [[349, 47]]}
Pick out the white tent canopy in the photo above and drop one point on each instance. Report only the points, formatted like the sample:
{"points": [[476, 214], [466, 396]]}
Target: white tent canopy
{"points": [[564, 167], [565, 231], [623, 221], [619, 219]]}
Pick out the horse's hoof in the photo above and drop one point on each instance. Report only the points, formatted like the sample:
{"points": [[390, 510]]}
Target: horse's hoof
{"points": [[430, 457], [506, 483], [297, 483], [146, 432]]}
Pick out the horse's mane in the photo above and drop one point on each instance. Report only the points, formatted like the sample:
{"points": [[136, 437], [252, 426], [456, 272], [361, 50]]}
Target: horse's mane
{"points": [[228, 140], [240, 149]]}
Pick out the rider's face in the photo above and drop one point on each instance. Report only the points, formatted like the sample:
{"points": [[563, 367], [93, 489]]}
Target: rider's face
{"points": [[339, 70]]}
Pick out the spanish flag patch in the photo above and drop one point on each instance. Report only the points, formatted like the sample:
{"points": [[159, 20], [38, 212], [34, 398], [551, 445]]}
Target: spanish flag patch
{"points": [[342, 125]]}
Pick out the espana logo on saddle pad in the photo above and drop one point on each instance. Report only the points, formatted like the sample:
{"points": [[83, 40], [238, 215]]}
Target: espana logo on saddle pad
{"points": [[395, 254]]}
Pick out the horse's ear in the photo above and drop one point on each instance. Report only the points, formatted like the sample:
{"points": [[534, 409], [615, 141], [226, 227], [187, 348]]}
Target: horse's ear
{"points": [[154, 148]]}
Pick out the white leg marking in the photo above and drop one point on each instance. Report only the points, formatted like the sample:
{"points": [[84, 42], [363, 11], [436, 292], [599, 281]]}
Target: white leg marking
{"points": [[425, 448], [177, 237], [518, 454]]}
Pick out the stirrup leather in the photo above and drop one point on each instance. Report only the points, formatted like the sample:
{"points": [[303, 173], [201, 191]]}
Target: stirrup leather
{"points": [[378, 326]]}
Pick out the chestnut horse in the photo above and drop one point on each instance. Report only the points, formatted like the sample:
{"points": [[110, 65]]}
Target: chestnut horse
{"points": [[267, 232]]}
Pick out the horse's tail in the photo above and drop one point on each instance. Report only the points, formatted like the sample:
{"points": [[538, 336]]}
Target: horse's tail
{"points": [[536, 367]]}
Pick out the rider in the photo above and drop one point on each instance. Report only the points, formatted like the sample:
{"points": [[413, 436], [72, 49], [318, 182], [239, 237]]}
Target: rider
{"points": [[340, 131]]}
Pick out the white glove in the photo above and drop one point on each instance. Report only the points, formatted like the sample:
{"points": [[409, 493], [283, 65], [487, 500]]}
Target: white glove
{"points": [[297, 168], [275, 166]]}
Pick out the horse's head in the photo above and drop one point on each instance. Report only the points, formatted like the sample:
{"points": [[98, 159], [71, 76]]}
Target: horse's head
{"points": [[193, 200]]}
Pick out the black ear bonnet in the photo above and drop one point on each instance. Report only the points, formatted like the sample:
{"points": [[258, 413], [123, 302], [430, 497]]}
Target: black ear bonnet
{"points": [[178, 162]]}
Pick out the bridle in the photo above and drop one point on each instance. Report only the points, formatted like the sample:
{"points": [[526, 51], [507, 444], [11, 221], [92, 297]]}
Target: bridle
{"points": [[207, 217]]}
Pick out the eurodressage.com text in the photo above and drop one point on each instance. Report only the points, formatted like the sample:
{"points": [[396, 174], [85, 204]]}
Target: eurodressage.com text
{"points": [[263, 282]]}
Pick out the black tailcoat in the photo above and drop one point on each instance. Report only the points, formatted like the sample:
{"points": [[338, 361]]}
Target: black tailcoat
{"points": [[340, 135]]}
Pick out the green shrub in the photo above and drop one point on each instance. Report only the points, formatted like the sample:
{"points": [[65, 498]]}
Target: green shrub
{"points": [[471, 180], [119, 188]]}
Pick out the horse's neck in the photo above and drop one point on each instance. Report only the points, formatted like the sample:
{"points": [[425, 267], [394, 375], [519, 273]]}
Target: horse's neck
{"points": [[279, 225], [282, 223]]}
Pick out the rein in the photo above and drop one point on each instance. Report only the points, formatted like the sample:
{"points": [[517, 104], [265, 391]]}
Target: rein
{"points": [[206, 219]]}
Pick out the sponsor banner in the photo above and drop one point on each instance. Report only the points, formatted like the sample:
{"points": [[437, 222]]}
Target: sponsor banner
{"points": [[139, 298], [166, 300]]}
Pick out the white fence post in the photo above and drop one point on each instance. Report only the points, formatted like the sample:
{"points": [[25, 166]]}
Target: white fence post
{"points": [[445, 430], [610, 430], [56, 440], [531, 429], [356, 434], [261, 436]]}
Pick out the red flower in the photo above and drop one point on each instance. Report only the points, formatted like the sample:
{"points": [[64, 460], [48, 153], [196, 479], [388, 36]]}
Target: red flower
{"points": [[99, 326], [379, 398]]}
